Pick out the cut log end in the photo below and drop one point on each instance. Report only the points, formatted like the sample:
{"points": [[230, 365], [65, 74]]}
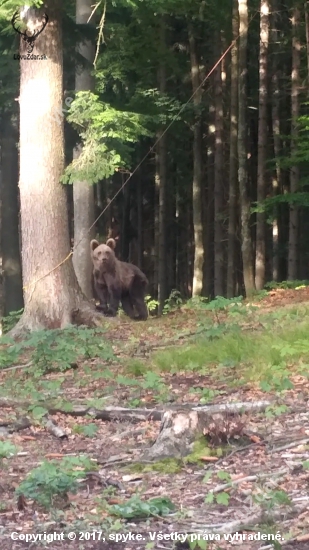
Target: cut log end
{"points": [[178, 432]]}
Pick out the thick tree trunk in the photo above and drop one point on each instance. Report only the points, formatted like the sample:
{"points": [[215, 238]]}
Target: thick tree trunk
{"points": [[83, 192], [260, 258], [11, 261], [246, 240], [197, 171], [51, 291], [233, 164], [294, 173], [218, 187]]}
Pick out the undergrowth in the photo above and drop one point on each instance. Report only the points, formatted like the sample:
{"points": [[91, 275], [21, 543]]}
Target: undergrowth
{"points": [[233, 343], [56, 350], [54, 479], [227, 352]]}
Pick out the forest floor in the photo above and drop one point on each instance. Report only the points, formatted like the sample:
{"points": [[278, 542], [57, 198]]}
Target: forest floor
{"points": [[254, 484]]}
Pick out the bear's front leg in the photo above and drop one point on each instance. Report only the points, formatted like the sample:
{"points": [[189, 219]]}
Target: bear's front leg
{"points": [[102, 294], [114, 300]]}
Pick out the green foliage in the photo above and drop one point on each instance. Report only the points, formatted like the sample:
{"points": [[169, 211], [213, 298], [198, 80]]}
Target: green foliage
{"points": [[136, 508], [200, 450], [8, 7], [150, 381], [106, 133], [301, 198], [219, 498], [224, 476], [136, 367], [206, 394], [58, 349], [10, 321], [8, 352], [174, 301], [37, 412], [7, 449], [230, 306], [241, 356], [197, 544], [223, 304], [151, 303], [275, 410], [300, 157], [269, 499], [273, 285], [276, 379], [88, 430], [54, 479], [197, 303]]}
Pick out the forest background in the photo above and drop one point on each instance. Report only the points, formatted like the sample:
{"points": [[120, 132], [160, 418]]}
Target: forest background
{"points": [[189, 133]]}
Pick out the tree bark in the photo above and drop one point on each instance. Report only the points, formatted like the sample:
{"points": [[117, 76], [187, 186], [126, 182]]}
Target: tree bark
{"points": [[125, 225], [294, 173], [246, 240], [51, 292], [83, 192], [11, 261], [276, 130], [307, 37], [161, 179], [197, 171], [233, 164], [260, 258], [139, 199], [208, 205], [218, 183]]}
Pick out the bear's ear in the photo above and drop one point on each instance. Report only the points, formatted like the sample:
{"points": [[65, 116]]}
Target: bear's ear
{"points": [[94, 244], [111, 243]]}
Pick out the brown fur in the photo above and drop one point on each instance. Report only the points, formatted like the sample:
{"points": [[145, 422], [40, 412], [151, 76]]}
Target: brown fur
{"points": [[116, 281]]}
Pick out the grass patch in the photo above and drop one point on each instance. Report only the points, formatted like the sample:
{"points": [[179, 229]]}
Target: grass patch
{"points": [[253, 356]]}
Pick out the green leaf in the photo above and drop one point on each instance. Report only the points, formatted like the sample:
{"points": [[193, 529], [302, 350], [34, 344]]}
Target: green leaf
{"points": [[223, 498]]}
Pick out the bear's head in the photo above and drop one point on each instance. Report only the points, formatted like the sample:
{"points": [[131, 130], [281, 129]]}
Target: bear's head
{"points": [[103, 255]]}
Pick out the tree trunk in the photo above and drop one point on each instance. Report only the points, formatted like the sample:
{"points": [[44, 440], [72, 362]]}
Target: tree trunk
{"points": [[161, 180], [83, 192], [307, 38], [139, 199], [197, 171], [218, 183], [208, 206], [51, 291], [125, 225], [246, 240], [233, 164], [260, 258], [11, 261], [294, 173], [276, 130]]}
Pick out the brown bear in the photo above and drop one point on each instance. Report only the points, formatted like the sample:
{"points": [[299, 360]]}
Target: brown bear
{"points": [[116, 281]]}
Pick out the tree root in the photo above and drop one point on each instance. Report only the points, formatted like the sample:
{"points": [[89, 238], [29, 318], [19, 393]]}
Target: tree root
{"points": [[85, 314]]}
